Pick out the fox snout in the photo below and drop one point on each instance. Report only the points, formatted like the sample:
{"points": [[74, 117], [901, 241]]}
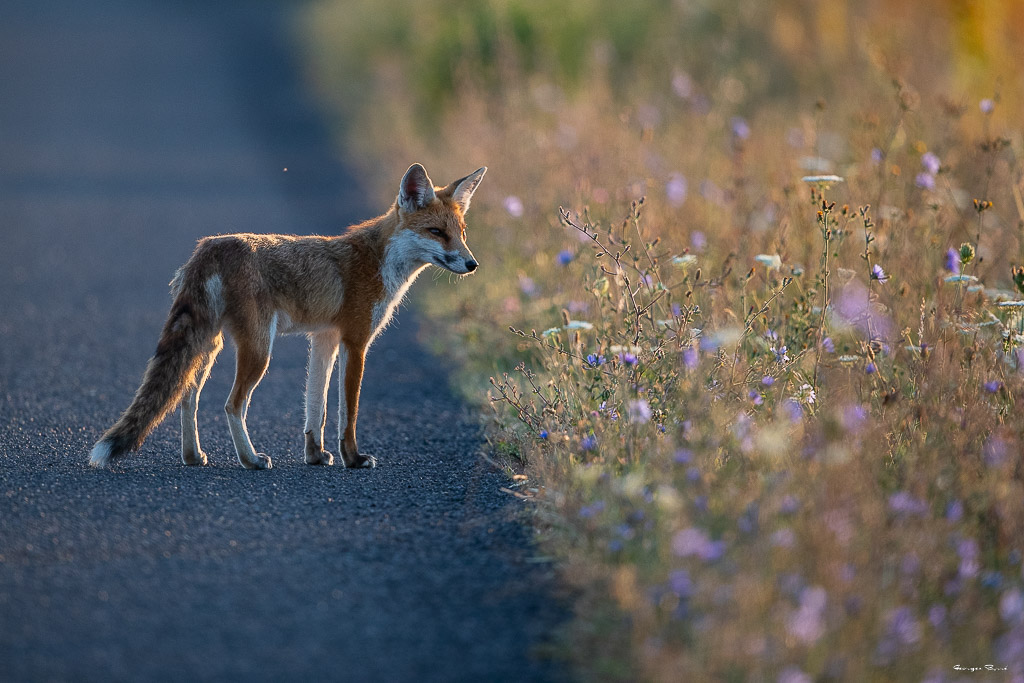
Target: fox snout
{"points": [[461, 265]]}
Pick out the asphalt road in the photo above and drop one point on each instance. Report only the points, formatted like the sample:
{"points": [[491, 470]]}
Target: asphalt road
{"points": [[128, 130]]}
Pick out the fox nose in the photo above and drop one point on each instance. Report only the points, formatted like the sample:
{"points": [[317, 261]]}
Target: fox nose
{"points": [[471, 265]]}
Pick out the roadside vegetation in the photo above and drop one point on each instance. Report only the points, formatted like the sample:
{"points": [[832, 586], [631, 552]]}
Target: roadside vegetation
{"points": [[750, 311]]}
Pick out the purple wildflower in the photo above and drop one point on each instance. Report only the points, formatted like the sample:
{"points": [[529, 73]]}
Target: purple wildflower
{"points": [[698, 240], [676, 310], [693, 474], [767, 380], [793, 410], [793, 674], [691, 357], [783, 538], [876, 155], [595, 359], [953, 260], [740, 128], [870, 368], [992, 580], [589, 442], [931, 163], [689, 541], [968, 551], [543, 434], [924, 180], [680, 583], [903, 503], [828, 345], [527, 286], [987, 106], [996, 451], [514, 206], [1011, 606], [878, 274], [683, 456], [902, 626], [954, 511], [627, 358], [992, 386], [853, 417], [755, 396], [564, 257], [807, 623], [675, 189], [789, 505], [592, 510], [937, 615], [855, 307]]}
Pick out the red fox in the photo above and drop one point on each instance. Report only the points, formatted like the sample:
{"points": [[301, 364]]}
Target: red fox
{"points": [[340, 291]]}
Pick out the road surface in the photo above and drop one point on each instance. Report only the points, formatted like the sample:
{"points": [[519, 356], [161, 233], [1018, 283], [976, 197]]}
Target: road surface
{"points": [[128, 129]]}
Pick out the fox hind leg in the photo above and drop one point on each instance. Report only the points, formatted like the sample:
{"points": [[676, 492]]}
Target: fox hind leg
{"points": [[253, 359], [191, 452], [323, 352]]}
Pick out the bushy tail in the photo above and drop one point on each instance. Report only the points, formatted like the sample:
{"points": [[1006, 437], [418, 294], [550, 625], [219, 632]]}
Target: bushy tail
{"points": [[193, 322]]}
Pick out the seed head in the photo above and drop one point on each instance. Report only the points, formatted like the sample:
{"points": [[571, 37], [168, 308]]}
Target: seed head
{"points": [[1018, 277], [966, 253]]}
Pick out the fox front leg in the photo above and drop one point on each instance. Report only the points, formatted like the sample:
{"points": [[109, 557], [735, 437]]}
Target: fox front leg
{"points": [[350, 381]]}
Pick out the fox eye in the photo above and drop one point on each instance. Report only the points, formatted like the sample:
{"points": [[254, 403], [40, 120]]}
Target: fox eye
{"points": [[437, 231]]}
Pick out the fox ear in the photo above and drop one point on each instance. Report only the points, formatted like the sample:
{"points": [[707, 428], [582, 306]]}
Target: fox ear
{"points": [[465, 187], [416, 190]]}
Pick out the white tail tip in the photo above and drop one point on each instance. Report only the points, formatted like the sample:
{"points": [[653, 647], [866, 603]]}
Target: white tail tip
{"points": [[100, 455]]}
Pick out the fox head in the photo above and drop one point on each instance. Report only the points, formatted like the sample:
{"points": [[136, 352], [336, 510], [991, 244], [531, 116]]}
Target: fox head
{"points": [[431, 220]]}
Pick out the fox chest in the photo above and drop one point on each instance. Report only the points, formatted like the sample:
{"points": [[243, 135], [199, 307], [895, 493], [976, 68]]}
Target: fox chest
{"points": [[394, 291]]}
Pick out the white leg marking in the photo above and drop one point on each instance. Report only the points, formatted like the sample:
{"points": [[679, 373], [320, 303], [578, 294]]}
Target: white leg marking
{"points": [[342, 403], [189, 428]]}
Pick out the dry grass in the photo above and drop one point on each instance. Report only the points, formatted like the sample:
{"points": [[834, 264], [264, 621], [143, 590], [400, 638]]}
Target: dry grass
{"points": [[773, 436]]}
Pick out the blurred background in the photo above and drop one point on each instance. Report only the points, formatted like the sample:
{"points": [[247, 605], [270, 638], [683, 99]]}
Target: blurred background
{"points": [[796, 496]]}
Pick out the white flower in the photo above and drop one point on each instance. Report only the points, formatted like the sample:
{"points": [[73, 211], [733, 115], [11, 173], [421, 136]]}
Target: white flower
{"points": [[805, 394], [550, 332], [1010, 304], [639, 411], [823, 179], [619, 348], [961, 278], [769, 260], [579, 325], [684, 260]]}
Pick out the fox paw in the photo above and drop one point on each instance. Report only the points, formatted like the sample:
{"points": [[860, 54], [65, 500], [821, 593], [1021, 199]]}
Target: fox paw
{"points": [[320, 457], [360, 460], [194, 458], [262, 462]]}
